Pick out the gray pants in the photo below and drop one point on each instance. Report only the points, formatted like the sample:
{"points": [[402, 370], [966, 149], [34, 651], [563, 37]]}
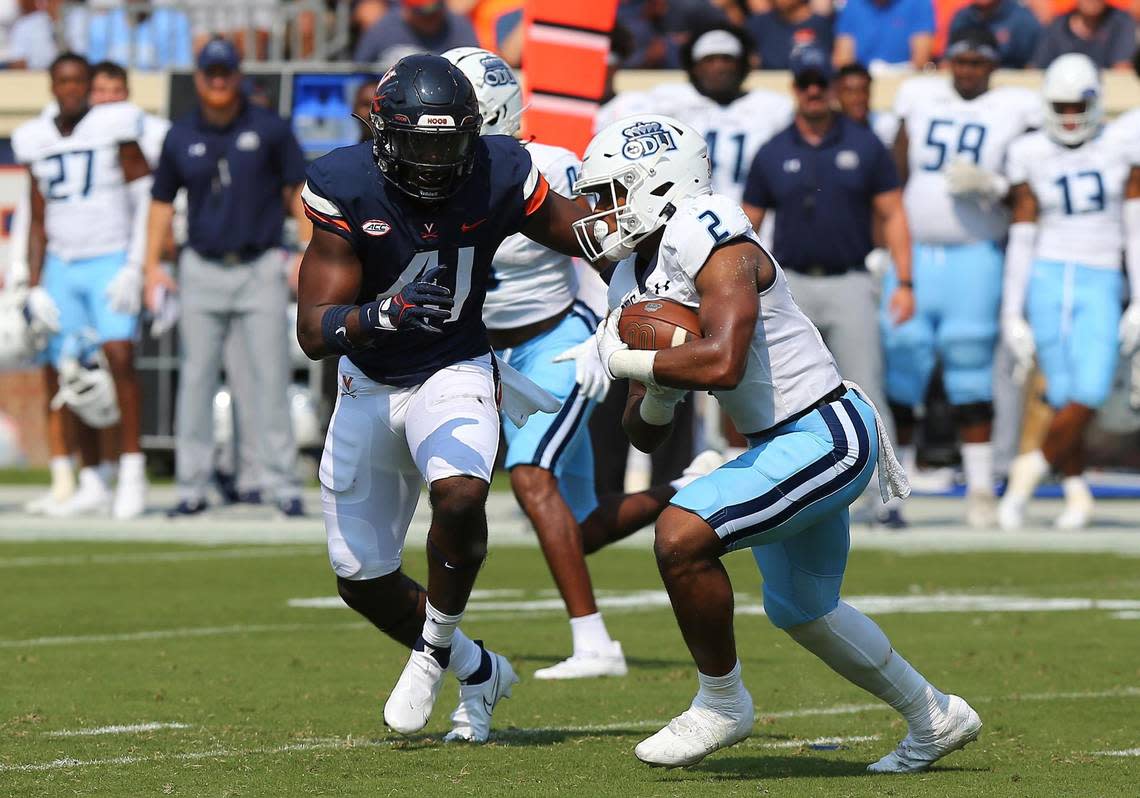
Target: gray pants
{"points": [[246, 301], [845, 308]]}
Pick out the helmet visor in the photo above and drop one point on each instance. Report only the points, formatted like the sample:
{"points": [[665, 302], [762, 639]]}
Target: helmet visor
{"points": [[431, 147]]}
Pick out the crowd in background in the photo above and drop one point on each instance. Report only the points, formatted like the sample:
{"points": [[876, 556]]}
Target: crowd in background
{"points": [[882, 34]]}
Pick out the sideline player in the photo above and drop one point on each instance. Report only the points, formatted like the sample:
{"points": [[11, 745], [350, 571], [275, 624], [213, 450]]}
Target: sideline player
{"points": [[1072, 184], [813, 441], [393, 281], [89, 199], [533, 316], [950, 150]]}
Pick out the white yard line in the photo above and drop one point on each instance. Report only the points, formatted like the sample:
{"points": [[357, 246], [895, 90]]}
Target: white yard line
{"points": [[167, 634], [261, 552], [133, 728], [1125, 752]]}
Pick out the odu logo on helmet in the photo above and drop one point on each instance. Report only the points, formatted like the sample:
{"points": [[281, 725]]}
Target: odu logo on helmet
{"points": [[646, 138], [495, 72]]}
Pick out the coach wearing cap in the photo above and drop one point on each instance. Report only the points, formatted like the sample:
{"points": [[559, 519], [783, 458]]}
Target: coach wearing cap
{"points": [[826, 177], [241, 168]]}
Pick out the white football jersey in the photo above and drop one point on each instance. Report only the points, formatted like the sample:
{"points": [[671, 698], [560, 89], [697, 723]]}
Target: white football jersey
{"points": [[886, 126], [1126, 130], [941, 127], [789, 366], [87, 207], [622, 105], [1080, 191], [733, 132], [154, 132], [531, 282]]}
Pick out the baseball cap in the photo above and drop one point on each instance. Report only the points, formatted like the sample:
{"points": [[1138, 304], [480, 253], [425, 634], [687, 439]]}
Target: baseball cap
{"points": [[809, 61], [219, 52], [978, 40], [717, 42]]}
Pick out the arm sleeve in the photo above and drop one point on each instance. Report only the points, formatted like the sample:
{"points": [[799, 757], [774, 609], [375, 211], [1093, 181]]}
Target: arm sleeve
{"points": [[756, 189], [321, 207], [167, 176]]}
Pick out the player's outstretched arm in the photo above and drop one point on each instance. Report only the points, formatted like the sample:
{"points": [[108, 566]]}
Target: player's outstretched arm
{"points": [[728, 284], [330, 276], [550, 224]]}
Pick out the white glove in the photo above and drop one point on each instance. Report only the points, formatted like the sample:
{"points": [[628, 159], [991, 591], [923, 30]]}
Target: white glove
{"points": [[124, 292], [608, 341], [588, 370], [878, 262], [1018, 336], [965, 178], [1129, 330], [41, 312]]}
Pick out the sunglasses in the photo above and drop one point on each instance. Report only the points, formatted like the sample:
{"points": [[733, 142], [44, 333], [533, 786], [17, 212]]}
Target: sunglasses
{"points": [[805, 80]]}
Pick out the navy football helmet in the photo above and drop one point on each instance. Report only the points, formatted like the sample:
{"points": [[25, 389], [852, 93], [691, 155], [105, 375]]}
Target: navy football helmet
{"points": [[425, 118]]}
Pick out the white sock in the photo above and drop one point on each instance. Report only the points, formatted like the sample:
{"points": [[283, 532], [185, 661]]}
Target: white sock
{"points": [[108, 471], [62, 475], [439, 628], [1025, 474], [978, 464], [590, 635], [908, 457], [132, 467], [465, 655], [90, 479], [855, 647], [1076, 489], [720, 693]]}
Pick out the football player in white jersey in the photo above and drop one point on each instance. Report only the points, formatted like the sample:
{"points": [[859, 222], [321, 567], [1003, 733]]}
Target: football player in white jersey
{"points": [[90, 187], [1076, 206], [814, 443], [533, 315], [951, 150]]}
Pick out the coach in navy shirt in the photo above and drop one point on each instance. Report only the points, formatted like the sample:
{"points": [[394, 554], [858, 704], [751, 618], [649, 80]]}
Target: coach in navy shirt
{"points": [[826, 178], [241, 168]]}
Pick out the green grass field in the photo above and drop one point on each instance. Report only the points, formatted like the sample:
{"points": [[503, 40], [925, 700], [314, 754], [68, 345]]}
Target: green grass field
{"points": [[257, 697]]}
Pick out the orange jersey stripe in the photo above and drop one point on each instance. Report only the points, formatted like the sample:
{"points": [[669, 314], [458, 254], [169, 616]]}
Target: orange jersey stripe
{"points": [[538, 196], [320, 217]]}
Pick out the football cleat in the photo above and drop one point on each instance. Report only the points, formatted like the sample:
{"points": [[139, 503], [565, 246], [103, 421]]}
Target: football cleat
{"points": [[1078, 505], [696, 733], [1025, 474], [59, 494], [959, 727], [981, 509], [130, 498], [587, 665], [409, 706], [92, 496], [471, 720]]}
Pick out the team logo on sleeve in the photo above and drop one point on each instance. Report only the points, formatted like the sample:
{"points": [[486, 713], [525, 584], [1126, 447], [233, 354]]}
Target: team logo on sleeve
{"points": [[495, 72], [376, 227], [646, 138]]}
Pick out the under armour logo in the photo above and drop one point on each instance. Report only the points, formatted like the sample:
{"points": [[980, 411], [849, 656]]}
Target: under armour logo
{"points": [[660, 287]]}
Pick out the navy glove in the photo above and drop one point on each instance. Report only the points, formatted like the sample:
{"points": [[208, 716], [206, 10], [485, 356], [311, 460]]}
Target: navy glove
{"points": [[422, 304]]}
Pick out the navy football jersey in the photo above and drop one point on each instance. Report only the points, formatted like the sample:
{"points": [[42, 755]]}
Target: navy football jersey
{"points": [[398, 239]]}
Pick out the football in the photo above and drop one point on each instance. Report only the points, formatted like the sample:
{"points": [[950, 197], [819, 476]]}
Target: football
{"points": [[658, 324]]}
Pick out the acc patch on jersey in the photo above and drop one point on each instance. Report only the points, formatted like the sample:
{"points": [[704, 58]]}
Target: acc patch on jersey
{"points": [[376, 227]]}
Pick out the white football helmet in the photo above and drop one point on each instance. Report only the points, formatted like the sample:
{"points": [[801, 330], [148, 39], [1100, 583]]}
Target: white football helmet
{"points": [[651, 161], [17, 344], [496, 88], [1073, 78], [85, 383]]}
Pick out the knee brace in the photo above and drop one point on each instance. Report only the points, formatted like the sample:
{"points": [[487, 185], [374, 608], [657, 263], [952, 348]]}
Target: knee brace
{"points": [[973, 413]]}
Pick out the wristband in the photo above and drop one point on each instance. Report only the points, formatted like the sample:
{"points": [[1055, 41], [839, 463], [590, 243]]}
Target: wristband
{"points": [[636, 364], [906, 284], [656, 410], [334, 329]]}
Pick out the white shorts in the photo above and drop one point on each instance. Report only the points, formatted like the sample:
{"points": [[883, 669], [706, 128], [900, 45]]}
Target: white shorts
{"points": [[382, 445]]}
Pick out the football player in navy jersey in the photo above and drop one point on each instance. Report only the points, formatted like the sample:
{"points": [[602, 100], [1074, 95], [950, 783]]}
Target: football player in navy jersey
{"points": [[393, 283]]}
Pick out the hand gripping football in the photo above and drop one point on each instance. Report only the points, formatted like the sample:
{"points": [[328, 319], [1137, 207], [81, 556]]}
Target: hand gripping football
{"points": [[658, 324]]}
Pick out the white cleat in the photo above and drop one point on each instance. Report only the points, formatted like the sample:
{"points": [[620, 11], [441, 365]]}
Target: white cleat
{"points": [[56, 497], [959, 727], [981, 509], [1011, 513], [130, 499], [587, 665], [1079, 503], [471, 720], [409, 706], [696, 733], [704, 463], [92, 498]]}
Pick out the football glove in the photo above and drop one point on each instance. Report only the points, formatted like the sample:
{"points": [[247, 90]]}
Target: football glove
{"points": [[1018, 336], [1129, 330], [41, 312], [966, 178], [124, 292], [588, 370], [878, 262], [422, 305], [607, 340]]}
